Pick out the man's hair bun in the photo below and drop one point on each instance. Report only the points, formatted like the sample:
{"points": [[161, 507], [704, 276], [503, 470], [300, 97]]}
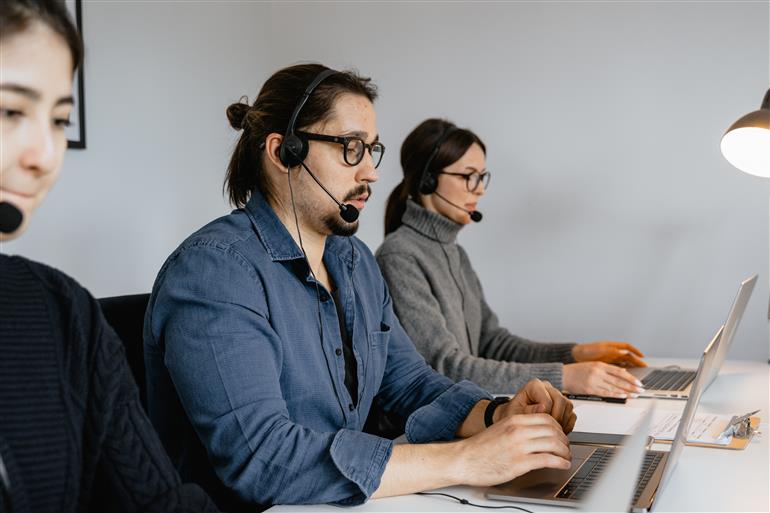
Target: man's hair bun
{"points": [[236, 113]]}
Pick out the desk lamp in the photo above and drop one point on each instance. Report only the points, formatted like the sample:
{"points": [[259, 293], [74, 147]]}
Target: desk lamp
{"points": [[746, 145]]}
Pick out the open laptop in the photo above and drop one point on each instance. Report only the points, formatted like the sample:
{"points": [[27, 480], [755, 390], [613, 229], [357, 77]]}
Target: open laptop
{"points": [[615, 488], [675, 383], [589, 461]]}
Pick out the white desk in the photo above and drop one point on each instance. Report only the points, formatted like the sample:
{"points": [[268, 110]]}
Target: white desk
{"points": [[705, 479]]}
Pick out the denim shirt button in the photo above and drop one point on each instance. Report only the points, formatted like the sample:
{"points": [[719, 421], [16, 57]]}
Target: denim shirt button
{"points": [[351, 407], [338, 351], [324, 297]]}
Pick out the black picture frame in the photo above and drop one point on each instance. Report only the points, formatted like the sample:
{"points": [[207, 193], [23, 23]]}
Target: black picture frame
{"points": [[76, 132]]}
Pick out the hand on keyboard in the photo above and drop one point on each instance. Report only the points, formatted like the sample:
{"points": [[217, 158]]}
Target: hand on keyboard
{"points": [[608, 351], [511, 447], [598, 378]]}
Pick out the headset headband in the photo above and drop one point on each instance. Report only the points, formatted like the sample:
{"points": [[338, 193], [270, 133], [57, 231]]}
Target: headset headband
{"points": [[305, 96]]}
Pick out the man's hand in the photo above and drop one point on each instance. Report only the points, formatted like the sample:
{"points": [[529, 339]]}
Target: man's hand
{"points": [[511, 447], [539, 397]]}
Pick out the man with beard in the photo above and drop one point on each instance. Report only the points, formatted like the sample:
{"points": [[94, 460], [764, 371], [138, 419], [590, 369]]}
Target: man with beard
{"points": [[270, 331]]}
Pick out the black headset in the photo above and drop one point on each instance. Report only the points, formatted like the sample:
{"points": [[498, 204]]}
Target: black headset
{"points": [[428, 179], [294, 148]]}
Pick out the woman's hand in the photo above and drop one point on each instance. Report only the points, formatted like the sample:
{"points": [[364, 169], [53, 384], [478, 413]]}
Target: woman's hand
{"points": [[599, 378], [608, 351]]}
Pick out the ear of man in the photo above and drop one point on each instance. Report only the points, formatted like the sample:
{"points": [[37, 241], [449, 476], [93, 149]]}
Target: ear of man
{"points": [[273, 150]]}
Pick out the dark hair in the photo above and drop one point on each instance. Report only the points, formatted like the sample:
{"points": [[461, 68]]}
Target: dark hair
{"points": [[415, 151], [17, 15], [270, 114]]}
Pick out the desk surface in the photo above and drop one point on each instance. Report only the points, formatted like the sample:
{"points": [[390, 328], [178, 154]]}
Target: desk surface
{"points": [[705, 479]]}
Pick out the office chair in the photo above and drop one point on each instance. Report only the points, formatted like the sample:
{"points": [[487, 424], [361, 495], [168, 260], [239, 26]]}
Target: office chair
{"points": [[126, 316]]}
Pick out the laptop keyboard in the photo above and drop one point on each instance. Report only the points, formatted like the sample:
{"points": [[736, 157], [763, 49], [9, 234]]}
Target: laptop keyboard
{"points": [[668, 379], [651, 462], [593, 467]]}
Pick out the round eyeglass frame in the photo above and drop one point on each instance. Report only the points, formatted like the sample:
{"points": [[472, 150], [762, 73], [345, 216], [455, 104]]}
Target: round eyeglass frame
{"points": [[345, 141], [477, 178]]}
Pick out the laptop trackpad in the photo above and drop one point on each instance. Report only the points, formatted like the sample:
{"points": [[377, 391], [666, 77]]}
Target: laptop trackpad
{"points": [[546, 482]]}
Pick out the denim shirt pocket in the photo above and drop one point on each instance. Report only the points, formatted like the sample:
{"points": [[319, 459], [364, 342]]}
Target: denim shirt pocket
{"points": [[380, 338], [376, 359]]}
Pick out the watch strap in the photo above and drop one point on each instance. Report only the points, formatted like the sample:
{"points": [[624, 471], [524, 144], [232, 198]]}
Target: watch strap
{"points": [[491, 407]]}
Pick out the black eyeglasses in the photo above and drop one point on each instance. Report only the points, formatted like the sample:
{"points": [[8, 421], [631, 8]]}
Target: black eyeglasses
{"points": [[353, 147], [472, 180]]}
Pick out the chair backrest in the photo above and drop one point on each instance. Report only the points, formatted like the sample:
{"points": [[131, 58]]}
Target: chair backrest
{"points": [[126, 316]]}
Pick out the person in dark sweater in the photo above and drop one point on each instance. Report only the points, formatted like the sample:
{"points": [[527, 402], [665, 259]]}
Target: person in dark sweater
{"points": [[71, 425], [438, 297]]}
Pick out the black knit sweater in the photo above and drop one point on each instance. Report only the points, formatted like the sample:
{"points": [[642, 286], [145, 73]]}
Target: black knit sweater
{"points": [[71, 425]]}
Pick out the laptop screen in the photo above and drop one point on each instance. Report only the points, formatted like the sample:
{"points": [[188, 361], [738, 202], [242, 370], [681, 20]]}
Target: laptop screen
{"points": [[706, 366], [731, 324]]}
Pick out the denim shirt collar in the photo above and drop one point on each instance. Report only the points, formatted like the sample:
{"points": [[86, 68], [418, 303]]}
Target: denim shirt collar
{"points": [[278, 241]]}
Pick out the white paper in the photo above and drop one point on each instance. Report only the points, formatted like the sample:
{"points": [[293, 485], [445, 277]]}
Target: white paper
{"points": [[705, 428], [621, 420]]}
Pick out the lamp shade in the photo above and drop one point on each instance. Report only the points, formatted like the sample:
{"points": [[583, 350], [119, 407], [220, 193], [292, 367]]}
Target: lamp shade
{"points": [[746, 144]]}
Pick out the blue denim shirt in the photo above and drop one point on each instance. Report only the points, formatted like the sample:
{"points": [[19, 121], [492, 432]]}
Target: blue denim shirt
{"points": [[242, 386]]}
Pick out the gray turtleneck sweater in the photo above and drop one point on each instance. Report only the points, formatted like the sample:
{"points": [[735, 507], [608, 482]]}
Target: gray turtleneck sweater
{"points": [[439, 300]]}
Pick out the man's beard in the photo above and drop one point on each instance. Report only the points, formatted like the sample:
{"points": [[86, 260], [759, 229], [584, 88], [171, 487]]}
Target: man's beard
{"points": [[338, 226]]}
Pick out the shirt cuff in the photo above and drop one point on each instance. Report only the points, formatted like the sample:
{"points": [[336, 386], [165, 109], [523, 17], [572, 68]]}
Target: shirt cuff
{"points": [[361, 458], [440, 419]]}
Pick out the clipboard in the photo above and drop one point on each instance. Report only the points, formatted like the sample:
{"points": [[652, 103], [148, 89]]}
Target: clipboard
{"points": [[735, 444]]}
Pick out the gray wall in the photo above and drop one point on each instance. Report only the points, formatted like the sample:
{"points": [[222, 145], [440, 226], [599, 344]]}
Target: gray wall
{"points": [[611, 213]]}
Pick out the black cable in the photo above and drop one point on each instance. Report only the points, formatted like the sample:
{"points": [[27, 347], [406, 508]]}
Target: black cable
{"points": [[304, 254], [466, 502], [315, 281], [302, 162]]}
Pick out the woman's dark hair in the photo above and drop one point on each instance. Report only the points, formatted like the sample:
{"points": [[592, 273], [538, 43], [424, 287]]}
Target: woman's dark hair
{"points": [[17, 15], [270, 114], [415, 152]]}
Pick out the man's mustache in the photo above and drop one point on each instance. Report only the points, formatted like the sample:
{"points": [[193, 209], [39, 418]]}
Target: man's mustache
{"points": [[359, 191]]}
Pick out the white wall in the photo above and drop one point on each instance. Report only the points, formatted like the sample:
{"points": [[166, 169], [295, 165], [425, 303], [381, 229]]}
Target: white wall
{"points": [[611, 212], [158, 78]]}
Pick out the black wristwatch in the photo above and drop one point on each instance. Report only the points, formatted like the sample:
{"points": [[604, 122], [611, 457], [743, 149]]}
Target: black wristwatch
{"points": [[491, 407]]}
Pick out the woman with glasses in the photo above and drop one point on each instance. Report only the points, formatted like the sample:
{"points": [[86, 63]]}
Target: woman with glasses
{"points": [[438, 297]]}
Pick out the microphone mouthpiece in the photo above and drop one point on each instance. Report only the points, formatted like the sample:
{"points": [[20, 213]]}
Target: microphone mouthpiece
{"points": [[476, 216], [10, 217], [349, 213]]}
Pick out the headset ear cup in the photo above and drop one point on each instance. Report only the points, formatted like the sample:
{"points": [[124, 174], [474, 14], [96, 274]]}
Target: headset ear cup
{"points": [[429, 181], [428, 184], [293, 150]]}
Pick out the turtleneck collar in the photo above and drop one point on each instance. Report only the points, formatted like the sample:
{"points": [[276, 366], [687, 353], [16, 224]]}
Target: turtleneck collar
{"points": [[430, 224]]}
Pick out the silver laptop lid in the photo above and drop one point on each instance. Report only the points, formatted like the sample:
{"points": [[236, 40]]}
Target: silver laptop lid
{"points": [[731, 325], [706, 366], [615, 489]]}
